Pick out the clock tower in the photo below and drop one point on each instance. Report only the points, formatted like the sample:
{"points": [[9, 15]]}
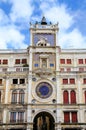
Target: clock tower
{"points": [[43, 69]]}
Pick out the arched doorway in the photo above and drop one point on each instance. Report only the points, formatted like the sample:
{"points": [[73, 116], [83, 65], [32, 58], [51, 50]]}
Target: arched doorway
{"points": [[43, 121]]}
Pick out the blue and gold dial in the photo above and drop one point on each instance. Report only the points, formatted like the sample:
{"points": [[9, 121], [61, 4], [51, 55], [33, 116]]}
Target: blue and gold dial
{"points": [[44, 90]]}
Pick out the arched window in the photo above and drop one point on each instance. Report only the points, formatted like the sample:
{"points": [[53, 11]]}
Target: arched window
{"points": [[65, 97], [0, 96], [14, 96], [21, 96], [85, 96], [73, 97]]}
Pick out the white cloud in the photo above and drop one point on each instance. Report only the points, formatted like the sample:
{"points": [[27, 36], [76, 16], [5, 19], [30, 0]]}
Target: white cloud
{"points": [[21, 10], [63, 15], [73, 39], [10, 35], [58, 14]]}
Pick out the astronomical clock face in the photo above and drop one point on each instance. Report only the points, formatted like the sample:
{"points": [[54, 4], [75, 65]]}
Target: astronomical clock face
{"points": [[44, 90], [50, 38]]}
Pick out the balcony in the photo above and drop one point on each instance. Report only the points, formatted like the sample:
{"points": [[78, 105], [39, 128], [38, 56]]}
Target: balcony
{"points": [[73, 69], [14, 69]]}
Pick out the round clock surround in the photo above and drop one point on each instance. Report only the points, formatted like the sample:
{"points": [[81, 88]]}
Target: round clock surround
{"points": [[39, 94], [44, 90]]}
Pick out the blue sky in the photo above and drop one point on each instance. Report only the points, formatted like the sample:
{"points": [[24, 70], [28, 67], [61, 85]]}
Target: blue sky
{"points": [[15, 16]]}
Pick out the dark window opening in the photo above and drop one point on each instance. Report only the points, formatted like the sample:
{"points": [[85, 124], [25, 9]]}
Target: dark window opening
{"points": [[0, 96], [84, 81], [17, 61], [22, 81], [5, 61], [0, 81], [15, 81], [24, 61]]}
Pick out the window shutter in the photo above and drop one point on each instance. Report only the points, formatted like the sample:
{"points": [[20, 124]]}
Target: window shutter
{"points": [[73, 97], [80, 61], [62, 61], [72, 81], [74, 116], [65, 97], [85, 96], [65, 81], [66, 117]]}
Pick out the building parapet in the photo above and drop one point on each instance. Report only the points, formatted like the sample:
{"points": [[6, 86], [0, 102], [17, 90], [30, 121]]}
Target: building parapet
{"points": [[73, 50], [4, 51]]}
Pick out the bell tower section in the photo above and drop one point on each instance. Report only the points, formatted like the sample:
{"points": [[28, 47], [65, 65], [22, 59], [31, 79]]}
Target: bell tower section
{"points": [[43, 33]]}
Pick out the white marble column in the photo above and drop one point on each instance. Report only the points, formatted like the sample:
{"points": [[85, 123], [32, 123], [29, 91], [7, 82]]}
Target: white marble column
{"points": [[81, 115], [57, 77], [30, 76], [79, 88], [7, 90], [58, 91], [4, 115], [29, 120]]}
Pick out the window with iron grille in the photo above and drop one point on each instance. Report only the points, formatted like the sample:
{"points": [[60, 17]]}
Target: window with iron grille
{"points": [[21, 96], [20, 116], [13, 117], [14, 96]]}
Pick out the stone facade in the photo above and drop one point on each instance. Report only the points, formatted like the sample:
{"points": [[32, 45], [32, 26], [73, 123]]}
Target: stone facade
{"points": [[43, 87]]}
